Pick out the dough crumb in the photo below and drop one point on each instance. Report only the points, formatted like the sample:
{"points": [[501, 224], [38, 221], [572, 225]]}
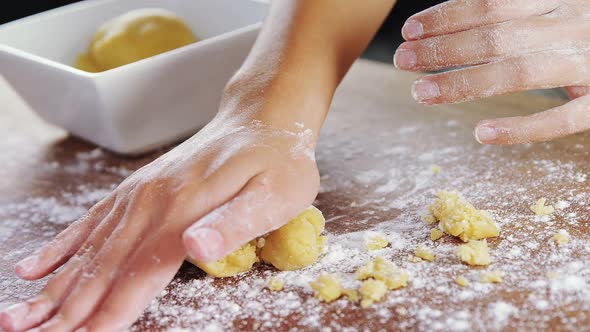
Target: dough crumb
{"points": [[414, 259], [552, 275], [372, 291], [562, 237], [460, 218], [429, 219], [351, 294], [260, 243], [327, 287], [275, 284], [475, 253], [385, 271], [491, 276], [541, 209], [436, 234], [424, 252], [462, 281], [375, 241], [435, 169]]}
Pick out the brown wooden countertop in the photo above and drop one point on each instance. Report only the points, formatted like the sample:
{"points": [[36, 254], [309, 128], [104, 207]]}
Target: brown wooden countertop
{"points": [[375, 157]]}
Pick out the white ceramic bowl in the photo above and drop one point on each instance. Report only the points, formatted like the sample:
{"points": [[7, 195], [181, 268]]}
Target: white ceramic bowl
{"points": [[139, 106]]}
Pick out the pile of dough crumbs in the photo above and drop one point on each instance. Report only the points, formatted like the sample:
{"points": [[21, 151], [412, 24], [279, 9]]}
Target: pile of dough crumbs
{"points": [[538, 272]]}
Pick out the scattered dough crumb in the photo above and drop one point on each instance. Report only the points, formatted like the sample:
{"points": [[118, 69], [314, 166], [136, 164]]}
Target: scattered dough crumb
{"points": [[491, 276], [414, 259], [424, 252], [372, 291], [435, 169], [260, 243], [561, 237], [384, 270], [553, 275], [541, 209], [275, 284], [462, 281], [429, 219], [352, 294], [475, 253], [375, 241], [327, 287], [459, 218], [436, 234]]}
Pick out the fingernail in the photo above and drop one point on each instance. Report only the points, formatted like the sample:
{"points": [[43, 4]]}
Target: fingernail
{"points": [[27, 265], [82, 329], [404, 59], [485, 134], [13, 314], [206, 244], [412, 29], [424, 90]]}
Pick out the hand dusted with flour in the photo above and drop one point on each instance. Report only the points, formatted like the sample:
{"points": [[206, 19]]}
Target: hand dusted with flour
{"points": [[504, 46]]}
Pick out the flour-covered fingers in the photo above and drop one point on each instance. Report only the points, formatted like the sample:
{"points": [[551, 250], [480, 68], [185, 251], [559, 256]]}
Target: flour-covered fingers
{"points": [[458, 15], [491, 43], [65, 244], [571, 118], [534, 71]]}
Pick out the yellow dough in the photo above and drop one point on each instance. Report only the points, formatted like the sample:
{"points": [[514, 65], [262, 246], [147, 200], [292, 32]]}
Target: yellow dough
{"points": [[425, 253], [237, 262], [133, 36], [491, 277], [541, 209], [475, 253], [462, 281], [459, 218], [297, 244], [327, 287], [375, 241], [291, 247], [436, 234], [275, 284], [372, 291], [385, 271], [561, 237]]}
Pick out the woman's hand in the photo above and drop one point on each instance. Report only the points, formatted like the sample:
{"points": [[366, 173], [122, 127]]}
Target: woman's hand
{"points": [[504, 46], [240, 177]]}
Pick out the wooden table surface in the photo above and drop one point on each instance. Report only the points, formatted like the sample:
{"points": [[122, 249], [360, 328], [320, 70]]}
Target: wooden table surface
{"points": [[375, 156]]}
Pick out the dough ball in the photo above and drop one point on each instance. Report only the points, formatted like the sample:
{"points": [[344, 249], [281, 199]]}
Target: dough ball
{"points": [[298, 243], [237, 262], [136, 35]]}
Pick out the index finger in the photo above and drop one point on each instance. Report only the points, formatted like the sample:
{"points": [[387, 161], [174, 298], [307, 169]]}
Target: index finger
{"points": [[459, 15]]}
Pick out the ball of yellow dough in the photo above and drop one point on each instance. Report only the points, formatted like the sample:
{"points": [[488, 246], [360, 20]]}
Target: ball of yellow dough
{"points": [[133, 36], [297, 244], [237, 262]]}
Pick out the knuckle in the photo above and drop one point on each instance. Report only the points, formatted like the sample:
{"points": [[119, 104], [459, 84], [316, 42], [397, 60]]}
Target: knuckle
{"points": [[494, 41]]}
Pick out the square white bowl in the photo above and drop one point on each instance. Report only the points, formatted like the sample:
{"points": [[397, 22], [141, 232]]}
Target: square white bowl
{"points": [[140, 106]]}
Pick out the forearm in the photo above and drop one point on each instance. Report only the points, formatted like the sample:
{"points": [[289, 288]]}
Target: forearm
{"points": [[302, 53]]}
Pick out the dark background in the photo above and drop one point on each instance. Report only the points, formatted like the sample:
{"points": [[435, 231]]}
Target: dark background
{"points": [[381, 49]]}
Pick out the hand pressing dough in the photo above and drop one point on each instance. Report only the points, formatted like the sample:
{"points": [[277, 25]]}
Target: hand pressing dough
{"points": [[459, 218], [327, 287], [237, 262], [133, 36], [293, 246], [475, 253], [297, 244]]}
